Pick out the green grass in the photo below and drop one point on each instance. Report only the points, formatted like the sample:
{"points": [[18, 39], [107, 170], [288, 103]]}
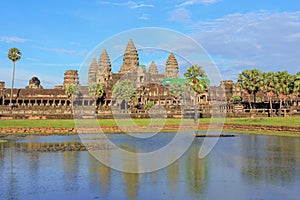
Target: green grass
{"points": [[103, 122], [270, 133], [37, 123], [275, 121], [270, 121]]}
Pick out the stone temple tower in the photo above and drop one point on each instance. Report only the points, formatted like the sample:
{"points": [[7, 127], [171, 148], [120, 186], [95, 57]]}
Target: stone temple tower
{"points": [[104, 74], [71, 77], [92, 78], [153, 68], [130, 59], [172, 67]]}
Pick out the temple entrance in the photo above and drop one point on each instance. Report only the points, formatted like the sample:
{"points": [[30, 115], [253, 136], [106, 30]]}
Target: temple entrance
{"points": [[124, 105]]}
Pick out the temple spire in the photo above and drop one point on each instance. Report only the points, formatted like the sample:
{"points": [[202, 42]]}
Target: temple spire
{"points": [[104, 61], [104, 73], [172, 67], [153, 68], [92, 72], [130, 59]]}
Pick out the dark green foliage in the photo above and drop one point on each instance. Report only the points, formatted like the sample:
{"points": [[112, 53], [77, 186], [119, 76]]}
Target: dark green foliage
{"points": [[96, 90], [149, 104], [123, 90], [72, 91]]}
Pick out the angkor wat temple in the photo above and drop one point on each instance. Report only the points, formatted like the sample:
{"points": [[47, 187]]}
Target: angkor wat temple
{"points": [[150, 86]]}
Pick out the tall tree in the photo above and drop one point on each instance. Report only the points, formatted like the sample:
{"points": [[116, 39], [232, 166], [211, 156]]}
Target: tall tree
{"points": [[249, 80], [123, 90], [296, 88], [96, 91], [283, 86], [267, 85], [177, 90], [72, 92], [14, 54], [196, 79]]}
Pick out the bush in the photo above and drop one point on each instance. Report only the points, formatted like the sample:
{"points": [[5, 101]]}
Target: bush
{"points": [[149, 104], [236, 98]]}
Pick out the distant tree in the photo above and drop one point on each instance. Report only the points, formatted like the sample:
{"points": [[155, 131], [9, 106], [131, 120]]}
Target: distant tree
{"points": [[283, 86], [258, 99], [236, 98], [178, 90], [267, 85], [250, 80], [123, 90], [296, 88], [14, 54], [96, 91], [149, 104], [72, 92], [196, 80]]}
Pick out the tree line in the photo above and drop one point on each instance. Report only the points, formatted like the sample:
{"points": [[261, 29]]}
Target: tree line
{"points": [[280, 84]]}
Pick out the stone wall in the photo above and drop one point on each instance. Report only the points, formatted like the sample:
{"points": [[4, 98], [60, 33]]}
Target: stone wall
{"points": [[36, 112], [66, 112]]}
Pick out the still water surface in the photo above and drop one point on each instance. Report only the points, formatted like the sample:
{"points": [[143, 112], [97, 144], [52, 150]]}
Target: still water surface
{"points": [[242, 167]]}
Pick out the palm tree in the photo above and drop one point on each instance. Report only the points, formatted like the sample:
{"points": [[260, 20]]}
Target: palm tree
{"points": [[96, 91], [283, 86], [249, 80], [296, 89], [196, 80], [14, 54], [267, 85], [72, 92]]}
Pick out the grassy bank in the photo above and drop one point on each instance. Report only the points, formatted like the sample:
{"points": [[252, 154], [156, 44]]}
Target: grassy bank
{"points": [[270, 133], [270, 121], [275, 121]]}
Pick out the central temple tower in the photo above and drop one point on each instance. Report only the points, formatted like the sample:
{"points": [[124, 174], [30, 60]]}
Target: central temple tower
{"points": [[130, 59]]}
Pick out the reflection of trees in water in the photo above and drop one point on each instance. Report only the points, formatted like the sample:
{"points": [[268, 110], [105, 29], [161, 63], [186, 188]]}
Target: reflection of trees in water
{"points": [[273, 161], [297, 152], [104, 174], [2, 145], [131, 183], [99, 175], [131, 179], [12, 178], [173, 174], [71, 170], [196, 172], [34, 169]]}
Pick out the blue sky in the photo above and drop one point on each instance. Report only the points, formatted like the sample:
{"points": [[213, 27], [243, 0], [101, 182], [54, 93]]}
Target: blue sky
{"points": [[58, 35]]}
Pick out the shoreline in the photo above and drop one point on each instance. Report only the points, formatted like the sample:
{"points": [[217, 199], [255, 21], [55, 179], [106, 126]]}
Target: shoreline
{"points": [[235, 128]]}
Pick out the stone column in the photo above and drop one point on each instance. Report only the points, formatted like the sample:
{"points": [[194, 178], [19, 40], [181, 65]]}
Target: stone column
{"points": [[47, 104]]}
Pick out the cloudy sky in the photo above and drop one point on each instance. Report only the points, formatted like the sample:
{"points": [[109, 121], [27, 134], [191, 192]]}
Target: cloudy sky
{"points": [[58, 35]]}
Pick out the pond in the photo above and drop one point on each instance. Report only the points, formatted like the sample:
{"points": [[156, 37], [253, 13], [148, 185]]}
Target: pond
{"points": [[241, 167]]}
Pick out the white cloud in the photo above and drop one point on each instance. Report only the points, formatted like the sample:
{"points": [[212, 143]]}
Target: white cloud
{"points": [[63, 51], [13, 39], [193, 2], [23, 76], [32, 59], [56, 64], [75, 43], [133, 6], [180, 15], [264, 40], [144, 17], [129, 4]]}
